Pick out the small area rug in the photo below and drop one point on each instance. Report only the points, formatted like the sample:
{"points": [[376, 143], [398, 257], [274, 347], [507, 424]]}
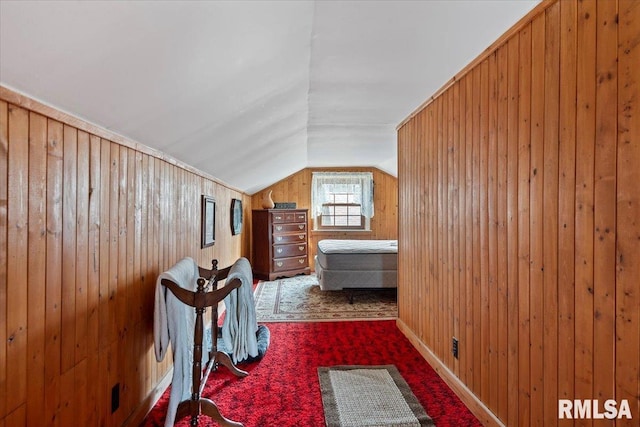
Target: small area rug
{"points": [[355, 396], [299, 299]]}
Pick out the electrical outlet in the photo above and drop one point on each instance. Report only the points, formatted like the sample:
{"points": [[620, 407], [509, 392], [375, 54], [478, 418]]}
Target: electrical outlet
{"points": [[454, 347], [115, 397]]}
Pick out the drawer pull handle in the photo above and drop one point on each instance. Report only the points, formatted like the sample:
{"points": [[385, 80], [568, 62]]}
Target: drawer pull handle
{"points": [[301, 248], [279, 264], [278, 238], [301, 236], [301, 261], [279, 250], [278, 217], [301, 227], [279, 228]]}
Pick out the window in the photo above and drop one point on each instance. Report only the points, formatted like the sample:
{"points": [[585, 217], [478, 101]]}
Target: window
{"points": [[341, 210], [342, 200]]}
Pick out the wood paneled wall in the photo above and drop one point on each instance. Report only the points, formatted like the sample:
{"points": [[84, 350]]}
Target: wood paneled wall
{"points": [[297, 188], [519, 217], [88, 221]]}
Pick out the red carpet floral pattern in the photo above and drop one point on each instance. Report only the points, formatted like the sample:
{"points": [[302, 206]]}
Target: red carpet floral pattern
{"points": [[282, 390]]}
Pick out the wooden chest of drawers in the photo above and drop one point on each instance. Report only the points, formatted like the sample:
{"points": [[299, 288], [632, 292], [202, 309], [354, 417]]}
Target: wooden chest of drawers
{"points": [[280, 242]]}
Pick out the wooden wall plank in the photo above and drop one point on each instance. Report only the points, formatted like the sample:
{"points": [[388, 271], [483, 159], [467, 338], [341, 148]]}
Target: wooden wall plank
{"points": [[121, 286], [82, 248], [444, 305], [17, 267], [138, 283], [423, 270], [550, 214], [130, 288], [151, 258], [53, 310], [413, 161], [512, 289], [67, 401], [465, 236], [452, 264], [457, 223], [524, 221], [485, 288], [37, 169], [402, 161], [477, 303], [163, 231], [114, 232], [69, 263], [409, 240], [566, 202], [605, 199], [536, 213], [4, 156], [437, 243], [492, 232], [584, 225], [69, 244], [440, 224], [628, 206], [82, 380], [467, 343], [105, 232], [93, 276], [501, 218], [433, 266]]}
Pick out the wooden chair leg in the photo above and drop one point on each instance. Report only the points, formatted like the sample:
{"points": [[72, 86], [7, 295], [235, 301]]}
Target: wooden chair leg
{"points": [[223, 358], [207, 407]]}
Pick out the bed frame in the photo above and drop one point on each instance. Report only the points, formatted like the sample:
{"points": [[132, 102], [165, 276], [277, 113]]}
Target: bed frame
{"points": [[356, 264]]}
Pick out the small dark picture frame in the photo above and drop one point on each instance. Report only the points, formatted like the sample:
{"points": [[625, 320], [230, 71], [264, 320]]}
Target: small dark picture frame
{"points": [[208, 221], [236, 216]]}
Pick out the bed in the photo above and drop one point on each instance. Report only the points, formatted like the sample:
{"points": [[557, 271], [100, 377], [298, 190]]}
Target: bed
{"points": [[357, 264]]}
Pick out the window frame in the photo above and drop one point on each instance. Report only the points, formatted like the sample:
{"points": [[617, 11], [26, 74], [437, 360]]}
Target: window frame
{"points": [[351, 189], [362, 225]]}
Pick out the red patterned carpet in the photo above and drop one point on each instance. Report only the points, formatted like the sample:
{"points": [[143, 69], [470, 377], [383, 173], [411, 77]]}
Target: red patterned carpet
{"points": [[283, 389]]}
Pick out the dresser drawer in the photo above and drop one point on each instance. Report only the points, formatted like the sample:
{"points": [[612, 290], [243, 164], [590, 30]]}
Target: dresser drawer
{"points": [[289, 228], [290, 238], [280, 217], [283, 217], [286, 251], [285, 264]]}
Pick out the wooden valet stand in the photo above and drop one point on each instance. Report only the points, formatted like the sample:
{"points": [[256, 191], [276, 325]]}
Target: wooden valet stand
{"points": [[206, 295]]}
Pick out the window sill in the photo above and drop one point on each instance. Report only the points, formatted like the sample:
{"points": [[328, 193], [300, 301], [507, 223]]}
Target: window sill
{"points": [[339, 231]]}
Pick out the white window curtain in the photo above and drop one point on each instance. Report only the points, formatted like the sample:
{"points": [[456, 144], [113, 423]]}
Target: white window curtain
{"points": [[325, 183]]}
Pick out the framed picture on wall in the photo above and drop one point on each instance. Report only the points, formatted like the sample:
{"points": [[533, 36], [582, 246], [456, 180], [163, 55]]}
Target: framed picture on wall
{"points": [[208, 221], [236, 216]]}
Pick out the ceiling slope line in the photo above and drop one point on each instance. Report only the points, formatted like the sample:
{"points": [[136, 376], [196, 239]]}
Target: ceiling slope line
{"points": [[30, 103]]}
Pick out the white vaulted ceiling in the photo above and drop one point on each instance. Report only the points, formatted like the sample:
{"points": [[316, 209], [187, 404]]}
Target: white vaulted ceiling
{"points": [[247, 91]]}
